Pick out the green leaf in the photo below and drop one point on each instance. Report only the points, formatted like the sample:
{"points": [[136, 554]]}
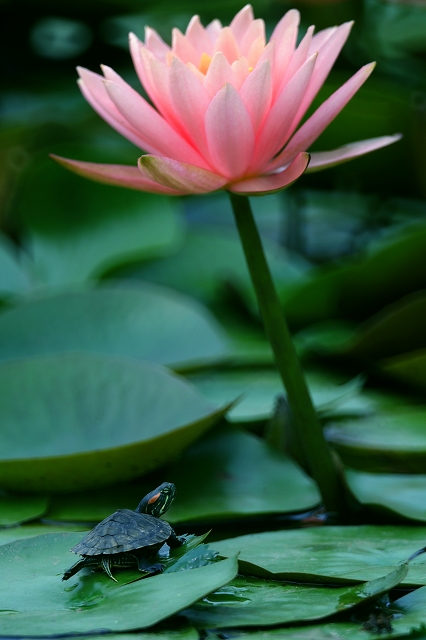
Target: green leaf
{"points": [[329, 555], [397, 329], [254, 602], [13, 278], [384, 442], [157, 633], [391, 269], [34, 601], [144, 322], [219, 260], [409, 368], [400, 493], [257, 391], [31, 530], [92, 420], [237, 475], [92, 228], [16, 509], [335, 630], [410, 614]]}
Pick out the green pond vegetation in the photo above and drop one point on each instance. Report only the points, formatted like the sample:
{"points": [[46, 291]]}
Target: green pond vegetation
{"points": [[132, 353]]}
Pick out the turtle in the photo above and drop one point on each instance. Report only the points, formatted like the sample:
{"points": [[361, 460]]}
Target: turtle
{"points": [[127, 538]]}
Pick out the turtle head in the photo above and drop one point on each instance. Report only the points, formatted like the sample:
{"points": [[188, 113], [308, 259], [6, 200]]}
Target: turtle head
{"points": [[158, 501]]}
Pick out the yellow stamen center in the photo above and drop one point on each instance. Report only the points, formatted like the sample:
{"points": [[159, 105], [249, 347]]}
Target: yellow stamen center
{"points": [[204, 63]]}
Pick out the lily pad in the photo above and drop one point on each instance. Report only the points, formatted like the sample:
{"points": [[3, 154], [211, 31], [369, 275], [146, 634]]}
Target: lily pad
{"points": [[410, 614], [397, 329], [31, 530], [143, 322], [400, 493], [163, 633], [16, 509], [329, 555], [258, 389], [254, 602], [219, 257], [14, 280], [385, 442], [329, 630], [238, 475], [92, 420], [96, 504], [36, 602], [409, 368], [391, 269]]}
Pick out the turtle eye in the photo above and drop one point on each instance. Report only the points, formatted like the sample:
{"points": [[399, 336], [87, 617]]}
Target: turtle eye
{"points": [[154, 498]]}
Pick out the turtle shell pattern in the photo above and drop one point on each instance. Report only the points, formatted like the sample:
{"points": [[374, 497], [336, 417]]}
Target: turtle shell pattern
{"points": [[122, 531]]}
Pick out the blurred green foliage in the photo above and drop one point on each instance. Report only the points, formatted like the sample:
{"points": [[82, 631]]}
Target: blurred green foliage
{"points": [[95, 279]]}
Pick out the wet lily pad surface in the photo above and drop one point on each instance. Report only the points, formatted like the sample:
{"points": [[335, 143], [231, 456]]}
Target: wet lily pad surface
{"points": [[34, 601], [333, 555], [92, 420], [388, 441], [144, 322], [401, 494], [255, 602], [15, 509]]}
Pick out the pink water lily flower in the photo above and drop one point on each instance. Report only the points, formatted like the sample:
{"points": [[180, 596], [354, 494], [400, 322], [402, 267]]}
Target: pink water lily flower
{"points": [[225, 107]]}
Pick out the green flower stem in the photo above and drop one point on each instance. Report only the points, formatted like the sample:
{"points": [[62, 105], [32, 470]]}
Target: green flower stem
{"points": [[316, 450]]}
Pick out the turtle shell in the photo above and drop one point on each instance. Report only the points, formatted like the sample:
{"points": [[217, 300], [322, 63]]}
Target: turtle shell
{"points": [[124, 530]]}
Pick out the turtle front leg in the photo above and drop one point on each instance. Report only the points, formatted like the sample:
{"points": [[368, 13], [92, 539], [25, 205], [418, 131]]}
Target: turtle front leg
{"points": [[174, 541], [149, 567]]}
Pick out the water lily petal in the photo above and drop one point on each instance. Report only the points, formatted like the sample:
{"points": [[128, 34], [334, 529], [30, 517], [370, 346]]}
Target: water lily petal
{"points": [[240, 69], [321, 118], [213, 29], [276, 129], [179, 176], [219, 73], [115, 174], [159, 136], [228, 45], [320, 38], [190, 101], [93, 89], [183, 49], [255, 32], [327, 55], [273, 182], [198, 36], [241, 22], [155, 44], [298, 58], [257, 93], [284, 37], [229, 133], [325, 159]]}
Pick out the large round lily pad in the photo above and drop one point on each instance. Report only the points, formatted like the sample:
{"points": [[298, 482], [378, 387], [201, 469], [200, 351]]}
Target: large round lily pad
{"points": [[335, 555], [34, 601], [145, 322], [253, 602], [400, 493], [16, 509], [237, 475], [89, 421], [257, 391], [385, 442]]}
